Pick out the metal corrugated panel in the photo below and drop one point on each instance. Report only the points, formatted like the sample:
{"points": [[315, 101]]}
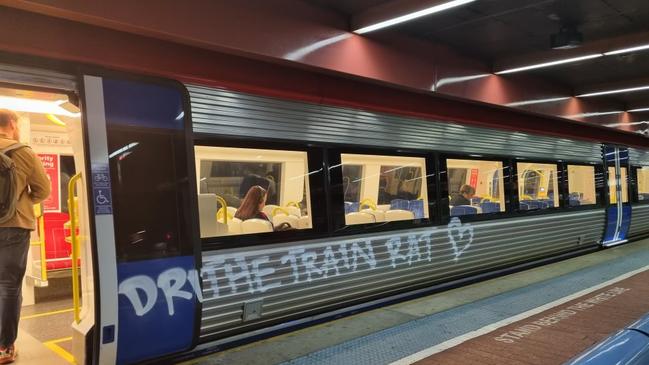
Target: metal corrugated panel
{"points": [[639, 220], [222, 112], [303, 278], [36, 77], [638, 156]]}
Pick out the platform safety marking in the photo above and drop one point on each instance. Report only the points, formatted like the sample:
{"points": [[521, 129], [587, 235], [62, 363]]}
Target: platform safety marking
{"points": [[47, 314], [53, 345], [494, 326]]}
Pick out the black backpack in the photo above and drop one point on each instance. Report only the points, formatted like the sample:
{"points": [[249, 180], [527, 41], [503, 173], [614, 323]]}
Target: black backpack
{"points": [[8, 188]]}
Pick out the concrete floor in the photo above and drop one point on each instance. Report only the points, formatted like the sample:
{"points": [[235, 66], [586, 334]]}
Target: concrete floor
{"points": [[294, 346]]}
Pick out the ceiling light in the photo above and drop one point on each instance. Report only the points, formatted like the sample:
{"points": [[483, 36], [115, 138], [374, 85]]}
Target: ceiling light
{"points": [[537, 101], [619, 124], [616, 91], [415, 15], [548, 64], [35, 106], [627, 50], [593, 114], [638, 110]]}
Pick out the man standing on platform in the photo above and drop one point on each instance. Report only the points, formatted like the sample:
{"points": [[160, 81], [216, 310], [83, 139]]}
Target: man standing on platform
{"points": [[23, 183]]}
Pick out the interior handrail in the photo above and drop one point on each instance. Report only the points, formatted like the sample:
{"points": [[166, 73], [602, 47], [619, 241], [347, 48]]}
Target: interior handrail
{"points": [[367, 202], [224, 206], [74, 238], [279, 209]]}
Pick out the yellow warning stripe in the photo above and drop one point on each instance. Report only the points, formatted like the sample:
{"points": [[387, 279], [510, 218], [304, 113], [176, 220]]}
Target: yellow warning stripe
{"points": [[47, 313], [52, 345]]}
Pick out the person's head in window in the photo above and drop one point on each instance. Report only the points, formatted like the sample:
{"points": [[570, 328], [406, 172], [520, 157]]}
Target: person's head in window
{"points": [[464, 196], [252, 204]]}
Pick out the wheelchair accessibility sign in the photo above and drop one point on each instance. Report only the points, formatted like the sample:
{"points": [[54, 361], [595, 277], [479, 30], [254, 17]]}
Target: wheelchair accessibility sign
{"points": [[102, 199]]}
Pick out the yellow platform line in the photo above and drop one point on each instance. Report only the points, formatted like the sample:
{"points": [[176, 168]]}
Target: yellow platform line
{"points": [[47, 313], [52, 345]]}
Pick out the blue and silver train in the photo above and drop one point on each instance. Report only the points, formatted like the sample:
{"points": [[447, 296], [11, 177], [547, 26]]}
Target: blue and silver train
{"points": [[361, 207]]}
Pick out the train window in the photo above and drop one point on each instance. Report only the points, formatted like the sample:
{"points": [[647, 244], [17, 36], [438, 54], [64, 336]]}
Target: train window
{"points": [[475, 187], [581, 185], [643, 183], [387, 188], [245, 190], [612, 185], [538, 186]]}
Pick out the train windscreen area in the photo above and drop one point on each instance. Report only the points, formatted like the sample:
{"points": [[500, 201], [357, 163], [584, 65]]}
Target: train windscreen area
{"points": [[244, 190], [475, 187]]}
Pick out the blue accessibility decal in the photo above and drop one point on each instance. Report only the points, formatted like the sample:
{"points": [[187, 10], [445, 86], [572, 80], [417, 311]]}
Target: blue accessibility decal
{"points": [[101, 194]]}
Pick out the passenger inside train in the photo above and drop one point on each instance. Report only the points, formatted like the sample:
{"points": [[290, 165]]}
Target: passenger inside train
{"points": [[475, 187], [380, 189], [245, 190]]}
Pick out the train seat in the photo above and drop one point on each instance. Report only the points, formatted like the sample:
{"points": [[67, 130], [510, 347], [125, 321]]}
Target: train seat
{"points": [[399, 215], [256, 226], [234, 226], [268, 210], [399, 204], [351, 207], [283, 218], [304, 222], [386, 207], [490, 207], [463, 210], [417, 208], [294, 211], [359, 218], [379, 215]]}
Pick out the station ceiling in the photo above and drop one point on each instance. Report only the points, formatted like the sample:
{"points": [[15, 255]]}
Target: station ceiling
{"points": [[512, 33]]}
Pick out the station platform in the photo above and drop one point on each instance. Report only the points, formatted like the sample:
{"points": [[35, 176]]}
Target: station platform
{"points": [[545, 315]]}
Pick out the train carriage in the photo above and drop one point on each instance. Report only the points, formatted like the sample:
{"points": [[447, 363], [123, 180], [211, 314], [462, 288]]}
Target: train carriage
{"points": [[358, 206]]}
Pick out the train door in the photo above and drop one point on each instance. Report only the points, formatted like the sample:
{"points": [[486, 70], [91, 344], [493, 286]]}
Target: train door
{"points": [[141, 161], [58, 292], [618, 208]]}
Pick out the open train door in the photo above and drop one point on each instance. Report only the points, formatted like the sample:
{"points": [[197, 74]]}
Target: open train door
{"points": [[618, 206], [142, 183]]}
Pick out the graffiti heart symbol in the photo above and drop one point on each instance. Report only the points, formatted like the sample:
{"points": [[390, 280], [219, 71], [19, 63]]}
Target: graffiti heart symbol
{"points": [[464, 233]]}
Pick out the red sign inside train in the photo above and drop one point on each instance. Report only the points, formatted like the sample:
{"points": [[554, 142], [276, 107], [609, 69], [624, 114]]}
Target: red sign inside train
{"points": [[51, 164], [474, 178]]}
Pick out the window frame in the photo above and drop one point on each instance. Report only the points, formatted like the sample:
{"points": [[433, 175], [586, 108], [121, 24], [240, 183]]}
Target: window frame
{"points": [[337, 204], [444, 190], [633, 185], [317, 185], [600, 190]]}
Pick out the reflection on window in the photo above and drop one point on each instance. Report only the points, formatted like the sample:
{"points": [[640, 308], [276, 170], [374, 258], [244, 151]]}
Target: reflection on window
{"points": [[475, 187], [245, 191], [612, 185], [581, 185], [537, 186], [643, 184], [385, 188]]}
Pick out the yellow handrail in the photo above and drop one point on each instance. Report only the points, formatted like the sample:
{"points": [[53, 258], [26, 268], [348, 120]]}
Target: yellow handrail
{"points": [[367, 202], [294, 204], [74, 238], [38, 213], [224, 206], [275, 210]]}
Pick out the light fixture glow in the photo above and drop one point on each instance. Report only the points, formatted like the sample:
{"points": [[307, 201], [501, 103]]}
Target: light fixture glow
{"points": [[537, 101], [35, 106], [593, 114], [638, 110], [616, 91], [627, 50], [304, 51], [619, 124], [453, 80], [549, 64], [415, 15], [54, 119]]}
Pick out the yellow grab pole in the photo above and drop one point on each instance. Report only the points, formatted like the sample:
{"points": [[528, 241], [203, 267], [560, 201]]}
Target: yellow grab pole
{"points": [[74, 241]]}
